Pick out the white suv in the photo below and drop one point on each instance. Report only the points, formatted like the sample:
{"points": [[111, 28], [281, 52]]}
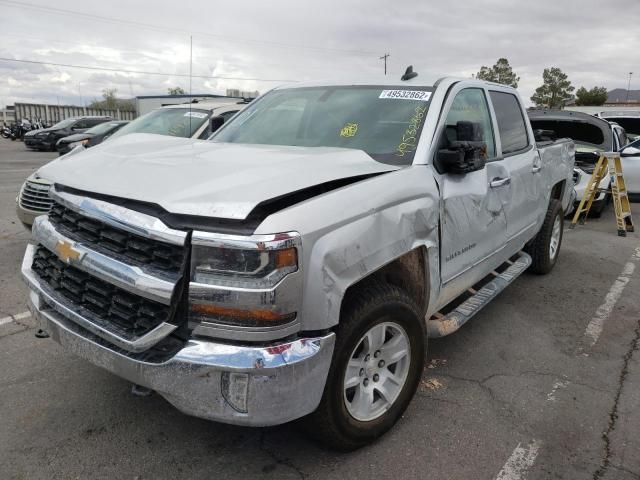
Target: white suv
{"points": [[183, 120]]}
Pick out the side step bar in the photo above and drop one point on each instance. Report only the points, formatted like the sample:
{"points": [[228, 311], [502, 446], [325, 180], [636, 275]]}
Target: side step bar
{"points": [[440, 325]]}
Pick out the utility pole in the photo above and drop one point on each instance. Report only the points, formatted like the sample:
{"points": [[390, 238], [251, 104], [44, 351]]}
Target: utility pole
{"points": [[628, 87], [384, 57]]}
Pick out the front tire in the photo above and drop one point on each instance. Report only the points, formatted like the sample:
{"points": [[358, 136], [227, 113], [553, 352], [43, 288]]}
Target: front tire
{"points": [[377, 365], [545, 246]]}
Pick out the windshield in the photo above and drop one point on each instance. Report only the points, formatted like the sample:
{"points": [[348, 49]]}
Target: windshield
{"points": [[103, 128], [64, 123], [382, 121], [176, 122]]}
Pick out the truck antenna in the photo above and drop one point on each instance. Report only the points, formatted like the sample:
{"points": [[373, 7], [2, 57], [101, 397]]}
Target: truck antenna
{"points": [[409, 73]]}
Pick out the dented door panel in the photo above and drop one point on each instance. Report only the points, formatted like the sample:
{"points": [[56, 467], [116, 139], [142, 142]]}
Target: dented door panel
{"points": [[473, 220]]}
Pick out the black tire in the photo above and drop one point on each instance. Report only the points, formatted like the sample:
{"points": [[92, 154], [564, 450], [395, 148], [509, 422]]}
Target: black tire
{"points": [[538, 247], [597, 208], [367, 306]]}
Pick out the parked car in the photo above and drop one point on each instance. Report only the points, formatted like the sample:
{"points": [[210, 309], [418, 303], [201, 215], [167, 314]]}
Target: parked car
{"points": [[627, 119], [630, 157], [89, 138], [592, 135], [46, 138], [190, 120], [172, 120], [293, 265]]}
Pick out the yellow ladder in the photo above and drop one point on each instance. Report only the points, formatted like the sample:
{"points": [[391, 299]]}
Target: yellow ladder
{"points": [[608, 164]]}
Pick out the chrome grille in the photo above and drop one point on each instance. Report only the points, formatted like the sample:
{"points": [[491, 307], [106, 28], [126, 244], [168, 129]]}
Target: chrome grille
{"points": [[35, 197], [118, 311], [119, 244]]}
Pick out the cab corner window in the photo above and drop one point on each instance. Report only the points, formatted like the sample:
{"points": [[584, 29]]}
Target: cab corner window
{"points": [[470, 105], [511, 126]]}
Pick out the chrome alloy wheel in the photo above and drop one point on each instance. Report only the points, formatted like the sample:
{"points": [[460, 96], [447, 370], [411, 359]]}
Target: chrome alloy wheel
{"points": [[554, 243], [377, 371]]}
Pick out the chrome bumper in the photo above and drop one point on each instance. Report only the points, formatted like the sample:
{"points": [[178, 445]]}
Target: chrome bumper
{"points": [[282, 382]]}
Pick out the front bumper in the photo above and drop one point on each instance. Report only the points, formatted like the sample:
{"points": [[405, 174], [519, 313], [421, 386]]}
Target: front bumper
{"points": [[283, 381], [35, 142], [27, 217], [583, 183]]}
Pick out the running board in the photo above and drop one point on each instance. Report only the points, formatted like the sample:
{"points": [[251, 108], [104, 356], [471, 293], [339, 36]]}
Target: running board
{"points": [[440, 325]]}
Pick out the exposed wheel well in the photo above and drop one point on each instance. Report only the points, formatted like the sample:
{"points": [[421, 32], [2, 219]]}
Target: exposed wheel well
{"points": [[408, 272], [558, 190]]}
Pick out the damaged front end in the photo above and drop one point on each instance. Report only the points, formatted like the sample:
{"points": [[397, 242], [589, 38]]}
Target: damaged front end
{"points": [[208, 321]]}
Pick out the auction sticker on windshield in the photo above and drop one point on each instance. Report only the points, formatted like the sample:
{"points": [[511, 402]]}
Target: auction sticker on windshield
{"points": [[406, 95]]}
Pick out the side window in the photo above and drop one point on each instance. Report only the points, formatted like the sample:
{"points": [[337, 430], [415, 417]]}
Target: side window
{"points": [[470, 105], [84, 123], [92, 122], [513, 132], [228, 115]]}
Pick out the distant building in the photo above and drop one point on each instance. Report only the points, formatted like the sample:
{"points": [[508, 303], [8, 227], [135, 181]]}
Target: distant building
{"points": [[234, 92], [146, 103], [7, 115]]}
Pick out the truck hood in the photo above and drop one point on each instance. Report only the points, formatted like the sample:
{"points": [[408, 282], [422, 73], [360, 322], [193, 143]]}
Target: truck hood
{"points": [[192, 177]]}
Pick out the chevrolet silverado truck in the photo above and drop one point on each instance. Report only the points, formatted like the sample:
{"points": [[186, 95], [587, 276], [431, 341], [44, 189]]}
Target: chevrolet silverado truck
{"points": [[294, 265]]}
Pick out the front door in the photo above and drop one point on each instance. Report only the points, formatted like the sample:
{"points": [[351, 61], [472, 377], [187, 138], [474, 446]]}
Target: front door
{"points": [[473, 217]]}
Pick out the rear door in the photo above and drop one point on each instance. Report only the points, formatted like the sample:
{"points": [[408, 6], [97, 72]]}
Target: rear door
{"points": [[525, 200]]}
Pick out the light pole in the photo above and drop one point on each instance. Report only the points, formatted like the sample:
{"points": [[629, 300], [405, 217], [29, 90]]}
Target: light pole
{"points": [[628, 87]]}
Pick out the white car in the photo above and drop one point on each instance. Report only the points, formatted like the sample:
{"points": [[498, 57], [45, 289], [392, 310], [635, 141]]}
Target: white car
{"points": [[627, 119], [192, 120], [592, 135], [630, 156]]}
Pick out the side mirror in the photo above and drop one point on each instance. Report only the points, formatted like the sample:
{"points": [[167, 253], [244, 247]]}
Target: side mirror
{"points": [[467, 153], [630, 152], [216, 122]]}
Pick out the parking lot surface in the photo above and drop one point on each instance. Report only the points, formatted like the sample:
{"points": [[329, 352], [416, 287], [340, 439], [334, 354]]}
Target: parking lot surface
{"points": [[544, 383]]}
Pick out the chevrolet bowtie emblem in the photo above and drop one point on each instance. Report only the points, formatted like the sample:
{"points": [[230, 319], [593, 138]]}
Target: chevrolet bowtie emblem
{"points": [[66, 252]]}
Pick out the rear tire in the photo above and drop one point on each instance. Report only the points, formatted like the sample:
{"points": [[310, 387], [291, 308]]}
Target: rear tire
{"points": [[380, 348], [544, 248]]}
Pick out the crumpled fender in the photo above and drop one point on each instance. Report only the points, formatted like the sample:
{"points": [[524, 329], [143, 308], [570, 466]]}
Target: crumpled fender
{"points": [[351, 232]]}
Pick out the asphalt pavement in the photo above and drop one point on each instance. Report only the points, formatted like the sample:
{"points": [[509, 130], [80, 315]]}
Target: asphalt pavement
{"points": [[544, 383]]}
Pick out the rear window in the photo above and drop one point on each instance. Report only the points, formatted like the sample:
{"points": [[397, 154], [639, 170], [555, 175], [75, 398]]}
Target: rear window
{"points": [[513, 132]]}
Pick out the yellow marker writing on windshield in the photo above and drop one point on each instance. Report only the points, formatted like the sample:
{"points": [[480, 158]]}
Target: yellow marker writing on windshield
{"points": [[349, 130]]}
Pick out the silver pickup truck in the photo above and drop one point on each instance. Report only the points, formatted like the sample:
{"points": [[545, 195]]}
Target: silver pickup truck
{"points": [[295, 264]]}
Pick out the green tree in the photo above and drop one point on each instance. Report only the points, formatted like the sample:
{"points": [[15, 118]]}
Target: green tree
{"points": [[595, 97], [555, 90], [110, 100], [501, 72], [175, 91]]}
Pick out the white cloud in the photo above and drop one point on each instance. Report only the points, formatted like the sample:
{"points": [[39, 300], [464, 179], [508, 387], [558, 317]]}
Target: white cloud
{"points": [[585, 38]]}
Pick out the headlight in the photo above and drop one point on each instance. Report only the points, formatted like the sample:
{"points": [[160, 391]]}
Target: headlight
{"points": [[234, 279], [77, 144], [244, 268]]}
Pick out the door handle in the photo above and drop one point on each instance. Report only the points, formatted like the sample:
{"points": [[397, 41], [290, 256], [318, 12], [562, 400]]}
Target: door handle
{"points": [[537, 164], [499, 182]]}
